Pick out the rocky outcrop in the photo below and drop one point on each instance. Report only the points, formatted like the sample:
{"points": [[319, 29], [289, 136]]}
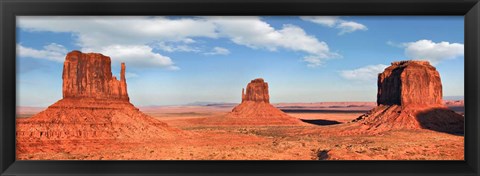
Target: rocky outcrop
{"points": [[257, 91], [89, 75], [95, 105], [409, 83], [256, 109], [410, 97]]}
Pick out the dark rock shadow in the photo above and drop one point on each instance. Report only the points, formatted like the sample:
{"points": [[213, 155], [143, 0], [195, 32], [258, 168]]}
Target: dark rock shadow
{"points": [[323, 155], [442, 120], [320, 122]]}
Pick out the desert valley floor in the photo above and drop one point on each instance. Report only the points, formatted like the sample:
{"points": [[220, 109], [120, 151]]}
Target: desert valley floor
{"points": [[201, 138]]}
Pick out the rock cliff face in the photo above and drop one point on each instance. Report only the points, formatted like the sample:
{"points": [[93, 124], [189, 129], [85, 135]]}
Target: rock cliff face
{"points": [[256, 109], [409, 83], [257, 91], [89, 75], [95, 105], [410, 97]]}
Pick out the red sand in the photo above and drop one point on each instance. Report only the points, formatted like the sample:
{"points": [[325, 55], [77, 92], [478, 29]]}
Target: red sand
{"points": [[302, 142]]}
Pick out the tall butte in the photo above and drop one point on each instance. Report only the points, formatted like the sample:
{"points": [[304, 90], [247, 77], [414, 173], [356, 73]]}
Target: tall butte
{"points": [[90, 76], [410, 97], [256, 109], [95, 105]]}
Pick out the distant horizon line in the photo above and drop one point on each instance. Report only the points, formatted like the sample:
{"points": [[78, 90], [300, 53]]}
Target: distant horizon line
{"points": [[206, 103]]}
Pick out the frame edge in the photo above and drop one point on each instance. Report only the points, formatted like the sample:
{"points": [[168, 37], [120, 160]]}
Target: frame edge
{"points": [[472, 42]]}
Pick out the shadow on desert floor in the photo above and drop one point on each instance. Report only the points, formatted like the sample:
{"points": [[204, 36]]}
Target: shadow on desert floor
{"points": [[442, 120], [320, 122]]}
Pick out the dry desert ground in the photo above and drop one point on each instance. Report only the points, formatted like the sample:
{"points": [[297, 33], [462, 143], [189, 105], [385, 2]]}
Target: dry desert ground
{"points": [[317, 138]]}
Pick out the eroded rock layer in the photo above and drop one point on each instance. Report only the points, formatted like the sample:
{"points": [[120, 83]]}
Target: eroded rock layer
{"points": [[410, 97], [92, 119]]}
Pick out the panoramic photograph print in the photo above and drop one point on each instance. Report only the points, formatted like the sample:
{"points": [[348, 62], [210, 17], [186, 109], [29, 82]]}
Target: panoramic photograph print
{"points": [[240, 88]]}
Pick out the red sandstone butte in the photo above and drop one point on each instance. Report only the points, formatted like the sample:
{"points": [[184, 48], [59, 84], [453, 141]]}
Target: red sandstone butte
{"points": [[256, 109], [90, 76], [410, 97], [257, 91], [95, 105], [410, 83]]}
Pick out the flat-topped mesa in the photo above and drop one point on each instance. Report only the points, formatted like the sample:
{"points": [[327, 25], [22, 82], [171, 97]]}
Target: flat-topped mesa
{"points": [[409, 97], [409, 83], [257, 91], [89, 75]]}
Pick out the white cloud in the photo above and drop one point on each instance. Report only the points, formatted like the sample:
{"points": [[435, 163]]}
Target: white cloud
{"points": [[173, 47], [329, 21], [335, 21], [218, 51], [107, 34], [177, 35], [136, 55], [312, 61], [368, 73], [260, 34], [53, 52], [94, 32], [433, 52], [350, 26]]}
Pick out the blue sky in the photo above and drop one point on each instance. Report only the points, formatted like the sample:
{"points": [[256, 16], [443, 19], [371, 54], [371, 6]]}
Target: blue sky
{"points": [[180, 60]]}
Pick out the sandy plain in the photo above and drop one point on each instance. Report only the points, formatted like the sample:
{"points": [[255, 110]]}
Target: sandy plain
{"points": [[317, 138]]}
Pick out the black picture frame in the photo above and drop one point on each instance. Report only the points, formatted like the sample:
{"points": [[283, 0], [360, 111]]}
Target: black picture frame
{"points": [[9, 9]]}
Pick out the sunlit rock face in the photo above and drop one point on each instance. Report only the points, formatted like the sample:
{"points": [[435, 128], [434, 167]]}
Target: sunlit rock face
{"points": [[257, 91], [89, 75], [95, 105], [410, 97], [406, 83]]}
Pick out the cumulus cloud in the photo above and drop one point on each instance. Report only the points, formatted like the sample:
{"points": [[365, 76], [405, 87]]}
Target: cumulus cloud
{"points": [[367, 73], [53, 52], [177, 34], [136, 55], [433, 52], [218, 51], [335, 21], [260, 34], [126, 35], [350, 26], [94, 32]]}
